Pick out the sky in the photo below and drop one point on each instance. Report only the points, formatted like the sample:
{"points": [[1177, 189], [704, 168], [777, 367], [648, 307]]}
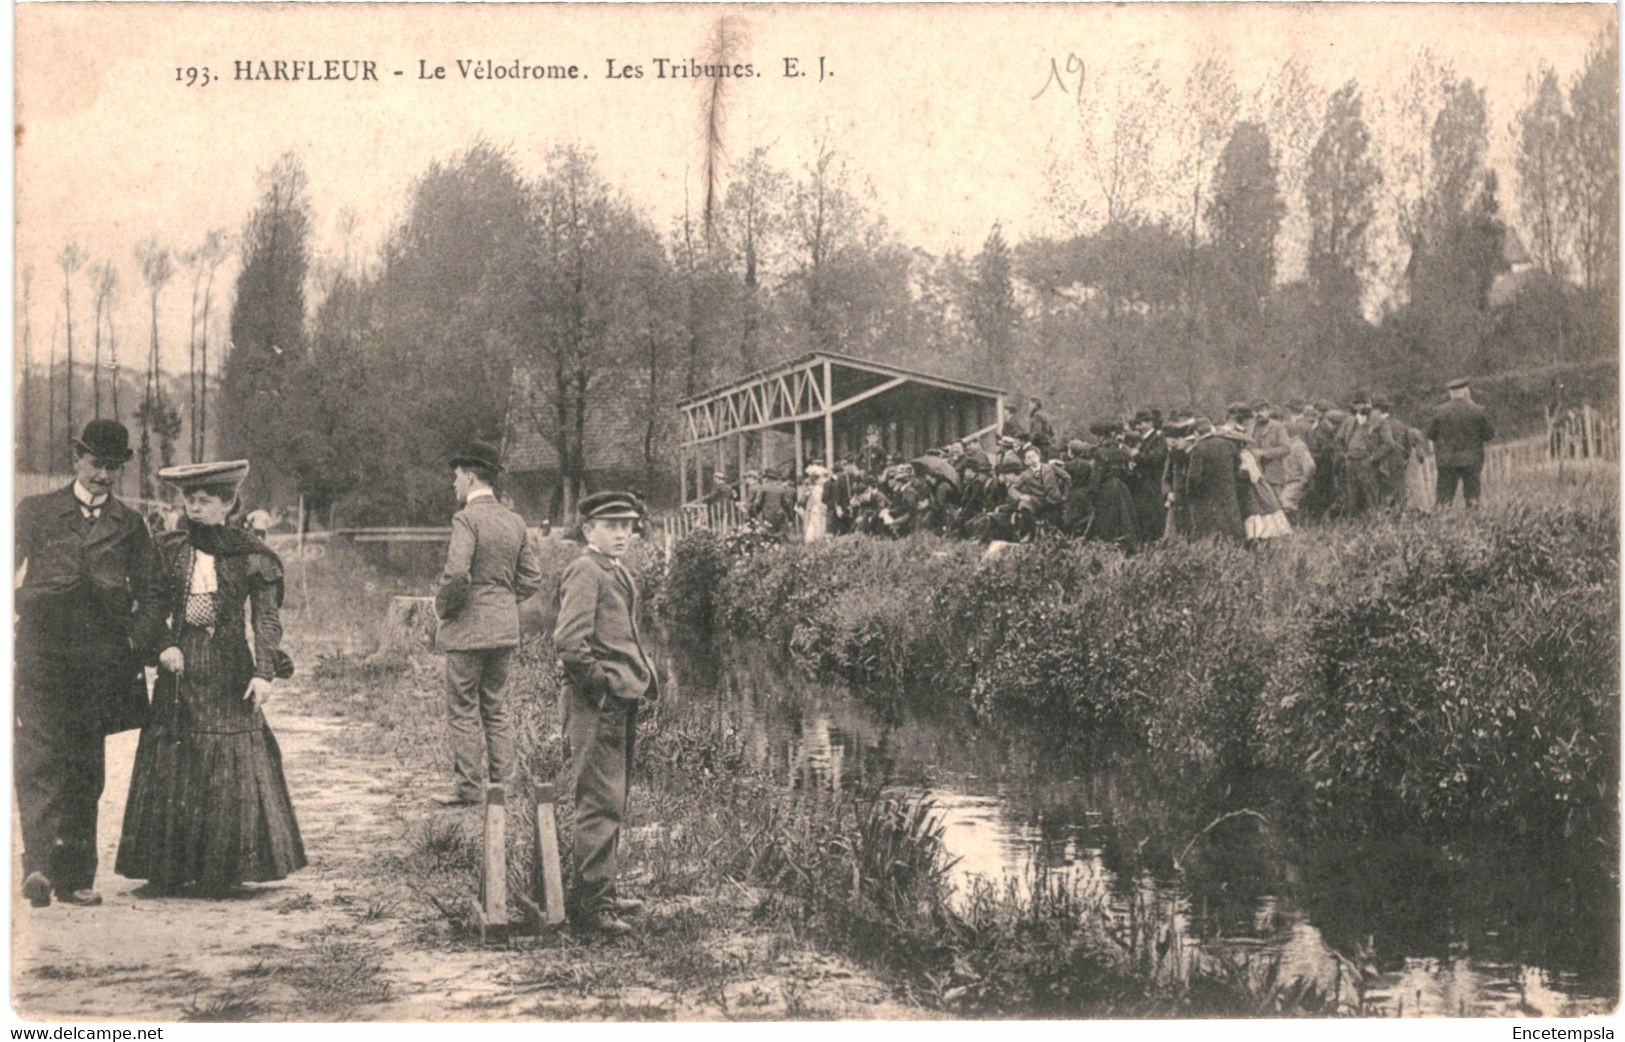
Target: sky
{"points": [[933, 107]]}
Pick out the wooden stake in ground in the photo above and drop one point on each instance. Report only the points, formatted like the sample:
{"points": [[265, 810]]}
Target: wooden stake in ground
{"points": [[548, 882], [304, 579], [492, 907]]}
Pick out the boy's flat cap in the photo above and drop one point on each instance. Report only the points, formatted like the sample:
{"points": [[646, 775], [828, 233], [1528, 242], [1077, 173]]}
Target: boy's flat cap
{"points": [[610, 506]]}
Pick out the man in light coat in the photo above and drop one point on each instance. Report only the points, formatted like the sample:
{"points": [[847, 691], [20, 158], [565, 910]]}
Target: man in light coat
{"points": [[490, 567]]}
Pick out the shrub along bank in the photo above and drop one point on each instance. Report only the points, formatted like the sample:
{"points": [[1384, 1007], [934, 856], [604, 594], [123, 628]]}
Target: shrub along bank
{"points": [[1451, 675]]}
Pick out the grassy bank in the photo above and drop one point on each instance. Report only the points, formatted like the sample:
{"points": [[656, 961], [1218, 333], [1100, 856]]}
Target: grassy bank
{"points": [[745, 877], [1449, 675]]}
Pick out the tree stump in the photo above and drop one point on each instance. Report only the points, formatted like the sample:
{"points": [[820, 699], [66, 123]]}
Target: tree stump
{"points": [[408, 630]]}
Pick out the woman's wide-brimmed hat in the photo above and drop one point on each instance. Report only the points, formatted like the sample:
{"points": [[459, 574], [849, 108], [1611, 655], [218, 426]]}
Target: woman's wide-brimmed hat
{"points": [[199, 475]]}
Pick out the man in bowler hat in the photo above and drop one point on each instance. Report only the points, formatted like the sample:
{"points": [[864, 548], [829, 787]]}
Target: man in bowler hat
{"points": [[608, 676], [490, 567], [88, 613]]}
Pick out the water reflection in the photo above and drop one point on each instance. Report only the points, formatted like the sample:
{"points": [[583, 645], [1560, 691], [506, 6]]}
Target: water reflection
{"points": [[1386, 928]]}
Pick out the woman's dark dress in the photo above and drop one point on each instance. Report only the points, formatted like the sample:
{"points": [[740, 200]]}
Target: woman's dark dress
{"points": [[208, 802]]}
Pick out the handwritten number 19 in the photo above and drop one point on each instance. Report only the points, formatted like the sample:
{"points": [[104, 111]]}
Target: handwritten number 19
{"points": [[193, 75], [1058, 78]]}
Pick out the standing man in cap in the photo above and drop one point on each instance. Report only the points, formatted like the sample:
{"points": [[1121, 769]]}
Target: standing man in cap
{"points": [[490, 567], [1459, 430], [1148, 455], [1040, 431], [1365, 444], [608, 676], [87, 614]]}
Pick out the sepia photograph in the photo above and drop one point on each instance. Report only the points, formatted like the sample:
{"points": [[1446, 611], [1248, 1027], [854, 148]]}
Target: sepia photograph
{"points": [[808, 512]]}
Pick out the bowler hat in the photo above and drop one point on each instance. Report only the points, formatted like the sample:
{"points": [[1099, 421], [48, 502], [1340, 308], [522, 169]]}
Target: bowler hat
{"points": [[1384, 404], [480, 454], [203, 475], [1239, 409], [1457, 383], [610, 506], [105, 439], [1360, 398], [1105, 430]]}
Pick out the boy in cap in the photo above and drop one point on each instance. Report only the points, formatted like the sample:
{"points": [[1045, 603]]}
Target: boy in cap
{"points": [[490, 567], [609, 675]]}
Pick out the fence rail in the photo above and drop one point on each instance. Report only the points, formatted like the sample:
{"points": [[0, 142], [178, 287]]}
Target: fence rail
{"points": [[720, 518]]}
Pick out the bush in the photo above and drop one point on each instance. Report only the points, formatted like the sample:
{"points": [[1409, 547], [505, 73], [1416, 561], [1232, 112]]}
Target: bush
{"points": [[1443, 674]]}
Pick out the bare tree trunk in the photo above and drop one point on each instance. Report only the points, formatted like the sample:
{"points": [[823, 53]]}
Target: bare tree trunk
{"points": [[50, 402]]}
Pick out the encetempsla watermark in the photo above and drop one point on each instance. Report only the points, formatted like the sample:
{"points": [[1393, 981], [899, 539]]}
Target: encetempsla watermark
{"points": [[1556, 1034]]}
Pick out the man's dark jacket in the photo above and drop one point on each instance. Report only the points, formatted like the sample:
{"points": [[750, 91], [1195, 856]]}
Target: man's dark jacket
{"points": [[1458, 431], [89, 610]]}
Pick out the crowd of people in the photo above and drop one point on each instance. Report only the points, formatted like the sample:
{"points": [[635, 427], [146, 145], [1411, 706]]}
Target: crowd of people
{"points": [[1249, 478]]}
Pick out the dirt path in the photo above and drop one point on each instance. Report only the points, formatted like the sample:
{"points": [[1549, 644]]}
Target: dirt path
{"points": [[346, 939]]}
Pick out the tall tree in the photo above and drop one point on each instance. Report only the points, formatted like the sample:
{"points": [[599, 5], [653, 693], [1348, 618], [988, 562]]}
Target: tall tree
{"points": [[1246, 217], [1289, 104], [1340, 194], [1591, 170], [450, 319], [156, 269], [71, 259], [577, 214], [991, 304], [752, 235], [1409, 165], [267, 317], [1543, 138], [215, 249], [105, 278]]}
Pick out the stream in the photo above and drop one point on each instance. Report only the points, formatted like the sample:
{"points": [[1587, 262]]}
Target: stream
{"points": [[1386, 927]]}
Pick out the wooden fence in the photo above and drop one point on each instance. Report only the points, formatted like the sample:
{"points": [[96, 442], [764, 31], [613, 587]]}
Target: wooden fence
{"points": [[720, 518]]}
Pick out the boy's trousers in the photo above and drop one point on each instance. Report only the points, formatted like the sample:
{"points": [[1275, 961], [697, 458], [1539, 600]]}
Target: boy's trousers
{"points": [[476, 701], [601, 740]]}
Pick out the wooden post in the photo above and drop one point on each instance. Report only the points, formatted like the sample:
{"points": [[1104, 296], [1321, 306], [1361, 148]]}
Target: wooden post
{"points": [[799, 465], [493, 903], [740, 440], [549, 883], [682, 475], [829, 419], [304, 578]]}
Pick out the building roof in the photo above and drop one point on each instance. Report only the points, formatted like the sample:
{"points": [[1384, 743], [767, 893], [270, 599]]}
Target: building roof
{"points": [[841, 361]]}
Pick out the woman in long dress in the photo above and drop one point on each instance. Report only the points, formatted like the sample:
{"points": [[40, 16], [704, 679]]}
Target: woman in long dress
{"points": [[814, 514], [208, 803], [1262, 515]]}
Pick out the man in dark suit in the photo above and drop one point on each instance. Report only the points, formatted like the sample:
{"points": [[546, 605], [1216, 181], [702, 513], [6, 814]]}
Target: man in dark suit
{"points": [[1459, 430], [774, 504], [87, 613], [490, 567]]}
